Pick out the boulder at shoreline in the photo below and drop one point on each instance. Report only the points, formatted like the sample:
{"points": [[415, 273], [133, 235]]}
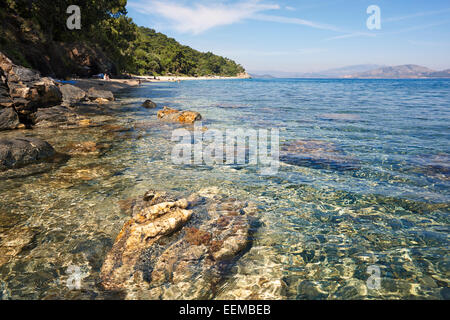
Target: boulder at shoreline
{"points": [[72, 94], [100, 96]]}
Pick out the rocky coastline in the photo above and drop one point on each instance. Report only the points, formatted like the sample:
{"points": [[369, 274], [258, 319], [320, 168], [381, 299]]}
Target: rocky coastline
{"points": [[170, 248]]}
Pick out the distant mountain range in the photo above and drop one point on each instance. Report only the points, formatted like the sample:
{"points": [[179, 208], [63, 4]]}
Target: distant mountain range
{"points": [[331, 73], [410, 71], [365, 71]]}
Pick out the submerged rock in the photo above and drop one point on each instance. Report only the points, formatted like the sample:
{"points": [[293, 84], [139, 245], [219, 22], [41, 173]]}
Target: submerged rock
{"points": [[86, 148], [340, 116], [12, 241], [433, 166], [138, 234], [19, 152], [86, 173], [317, 154], [178, 249], [149, 104], [187, 117], [133, 206]]}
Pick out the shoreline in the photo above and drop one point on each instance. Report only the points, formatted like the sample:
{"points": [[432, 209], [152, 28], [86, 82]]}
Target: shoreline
{"points": [[187, 78], [112, 85], [115, 85]]}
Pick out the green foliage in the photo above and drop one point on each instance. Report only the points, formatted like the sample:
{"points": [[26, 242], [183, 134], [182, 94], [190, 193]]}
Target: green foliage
{"points": [[157, 54], [132, 49]]}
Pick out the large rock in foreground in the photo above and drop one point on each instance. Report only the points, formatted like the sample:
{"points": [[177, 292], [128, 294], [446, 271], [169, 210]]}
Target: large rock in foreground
{"points": [[140, 233], [19, 152], [177, 249], [187, 117]]}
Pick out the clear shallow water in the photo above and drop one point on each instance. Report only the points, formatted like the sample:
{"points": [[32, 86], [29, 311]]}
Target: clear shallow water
{"points": [[321, 228]]}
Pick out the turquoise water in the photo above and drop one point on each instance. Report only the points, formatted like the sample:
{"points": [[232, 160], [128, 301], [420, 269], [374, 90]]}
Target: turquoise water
{"points": [[323, 222]]}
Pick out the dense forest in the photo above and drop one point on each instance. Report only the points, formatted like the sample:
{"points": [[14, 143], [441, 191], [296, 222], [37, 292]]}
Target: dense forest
{"points": [[34, 33], [155, 53]]}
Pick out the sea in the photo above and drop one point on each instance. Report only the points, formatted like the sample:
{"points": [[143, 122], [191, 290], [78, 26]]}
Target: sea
{"points": [[358, 207]]}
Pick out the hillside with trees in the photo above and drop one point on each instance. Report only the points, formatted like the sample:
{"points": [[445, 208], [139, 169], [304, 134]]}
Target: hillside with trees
{"points": [[155, 53], [34, 33]]}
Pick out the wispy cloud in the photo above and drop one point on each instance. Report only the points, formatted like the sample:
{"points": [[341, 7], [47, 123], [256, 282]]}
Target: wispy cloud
{"points": [[419, 27], [428, 43], [399, 31], [352, 35], [312, 24], [416, 15], [199, 17], [296, 52]]}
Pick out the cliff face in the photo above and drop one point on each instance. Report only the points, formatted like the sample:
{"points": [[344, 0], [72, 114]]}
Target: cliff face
{"points": [[28, 47]]}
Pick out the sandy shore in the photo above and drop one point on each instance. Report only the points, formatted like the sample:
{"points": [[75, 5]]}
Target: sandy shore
{"points": [[178, 78], [112, 85]]}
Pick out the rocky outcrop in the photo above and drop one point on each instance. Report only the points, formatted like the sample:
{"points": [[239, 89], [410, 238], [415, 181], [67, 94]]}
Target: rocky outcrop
{"points": [[5, 99], [25, 91], [27, 99], [72, 95], [149, 104], [8, 116], [177, 249], [317, 154], [8, 119], [19, 152], [186, 117]]}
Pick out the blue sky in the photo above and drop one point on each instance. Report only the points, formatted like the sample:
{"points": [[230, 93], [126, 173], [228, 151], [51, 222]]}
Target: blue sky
{"points": [[305, 36]]}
